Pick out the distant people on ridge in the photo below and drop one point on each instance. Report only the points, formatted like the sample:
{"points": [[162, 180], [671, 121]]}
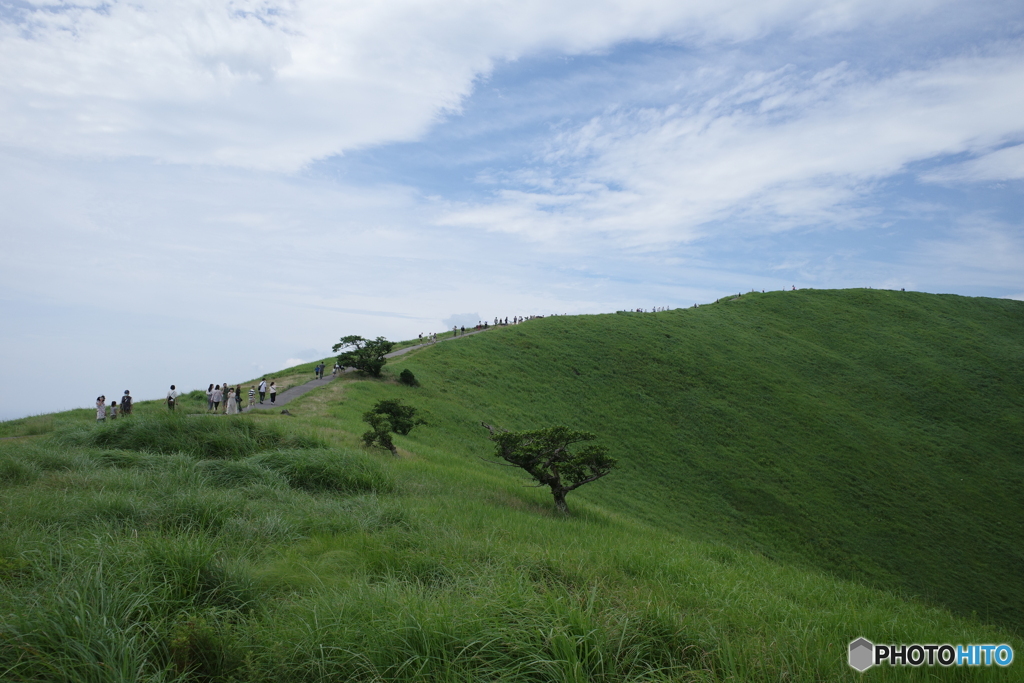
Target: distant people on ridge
{"points": [[172, 397]]}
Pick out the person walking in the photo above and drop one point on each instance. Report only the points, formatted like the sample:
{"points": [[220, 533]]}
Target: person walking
{"points": [[273, 392], [101, 408], [238, 398], [209, 398], [252, 396], [263, 389], [126, 404], [217, 396], [229, 403], [172, 398], [113, 409]]}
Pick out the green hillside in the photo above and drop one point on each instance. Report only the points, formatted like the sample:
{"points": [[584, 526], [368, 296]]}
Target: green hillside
{"points": [[798, 469], [878, 435]]}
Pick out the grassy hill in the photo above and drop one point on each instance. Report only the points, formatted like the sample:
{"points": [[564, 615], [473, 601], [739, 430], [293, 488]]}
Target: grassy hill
{"points": [[878, 435], [796, 467]]}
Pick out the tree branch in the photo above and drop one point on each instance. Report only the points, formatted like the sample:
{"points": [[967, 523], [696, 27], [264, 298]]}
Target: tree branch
{"points": [[495, 462], [586, 481]]}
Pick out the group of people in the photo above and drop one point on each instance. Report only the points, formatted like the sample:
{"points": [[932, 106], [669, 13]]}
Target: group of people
{"points": [[216, 394], [318, 371], [484, 325], [232, 396], [114, 409]]}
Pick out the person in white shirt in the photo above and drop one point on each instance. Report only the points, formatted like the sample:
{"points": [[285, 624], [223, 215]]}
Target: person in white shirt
{"points": [[263, 389], [273, 392], [218, 395], [172, 397]]}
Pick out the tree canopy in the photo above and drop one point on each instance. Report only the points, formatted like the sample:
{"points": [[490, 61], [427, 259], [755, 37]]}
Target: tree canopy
{"points": [[386, 416], [363, 354], [548, 455]]}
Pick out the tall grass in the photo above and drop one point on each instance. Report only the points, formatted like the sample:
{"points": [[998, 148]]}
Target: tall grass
{"points": [[172, 432]]}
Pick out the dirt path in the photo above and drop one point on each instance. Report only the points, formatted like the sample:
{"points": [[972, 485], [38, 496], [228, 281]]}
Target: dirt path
{"points": [[289, 395]]}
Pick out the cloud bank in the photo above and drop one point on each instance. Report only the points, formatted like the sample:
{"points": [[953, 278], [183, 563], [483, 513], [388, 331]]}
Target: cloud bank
{"points": [[271, 84]]}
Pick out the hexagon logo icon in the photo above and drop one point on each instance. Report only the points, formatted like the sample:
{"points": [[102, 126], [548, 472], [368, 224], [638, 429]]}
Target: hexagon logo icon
{"points": [[862, 653]]}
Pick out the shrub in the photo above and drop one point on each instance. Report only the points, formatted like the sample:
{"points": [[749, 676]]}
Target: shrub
{"points": [[407, 378]]}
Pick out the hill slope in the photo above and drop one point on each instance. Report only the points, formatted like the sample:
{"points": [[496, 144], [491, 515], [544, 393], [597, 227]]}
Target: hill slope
{"points": [[878, 435], [184, 547]]}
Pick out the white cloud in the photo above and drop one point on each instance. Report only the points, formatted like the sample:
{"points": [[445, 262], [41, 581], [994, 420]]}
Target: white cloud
{"points": [[1003, 164], [775, 149], [990, 251], [273, 84]]}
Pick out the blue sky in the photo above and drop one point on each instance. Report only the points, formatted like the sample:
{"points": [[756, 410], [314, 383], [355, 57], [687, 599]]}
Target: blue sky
{"points": [[202, 191]]}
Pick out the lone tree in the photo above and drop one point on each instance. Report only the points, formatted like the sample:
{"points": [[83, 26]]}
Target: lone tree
{"points": [[363, 354], [547, 456], [386, 416]]}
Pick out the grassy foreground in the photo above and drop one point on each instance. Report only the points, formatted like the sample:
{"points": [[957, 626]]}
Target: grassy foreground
{"points": [[269, 547]]}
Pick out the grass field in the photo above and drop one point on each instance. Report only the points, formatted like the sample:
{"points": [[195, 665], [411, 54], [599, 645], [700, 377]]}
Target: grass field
{"points": [[796, 468]]}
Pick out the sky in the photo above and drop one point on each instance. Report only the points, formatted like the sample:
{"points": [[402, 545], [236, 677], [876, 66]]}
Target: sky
{"points": [[206, 190]]}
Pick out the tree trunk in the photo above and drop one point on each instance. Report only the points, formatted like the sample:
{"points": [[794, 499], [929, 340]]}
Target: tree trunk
{"points": [[559, 495]]}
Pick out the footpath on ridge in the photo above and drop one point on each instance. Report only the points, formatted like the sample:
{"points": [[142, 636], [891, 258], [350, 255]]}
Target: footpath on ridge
{"points": [[291, 394]]}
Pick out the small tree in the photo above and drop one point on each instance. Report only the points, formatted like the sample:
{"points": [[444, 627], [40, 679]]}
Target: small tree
{"points": [[363, 354], [547, 456], [406, 377], [386, 416]]}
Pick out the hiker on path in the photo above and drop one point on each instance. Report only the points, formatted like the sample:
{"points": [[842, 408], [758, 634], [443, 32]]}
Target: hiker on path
{"points": [[101, 408], [113, 409], [273, 392], [238, 398], [230, 407], [334, 372], [463, 329], [252, 396], [126, 404], [217, 395], [209, 398], [263, 389], [172, 397]]}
